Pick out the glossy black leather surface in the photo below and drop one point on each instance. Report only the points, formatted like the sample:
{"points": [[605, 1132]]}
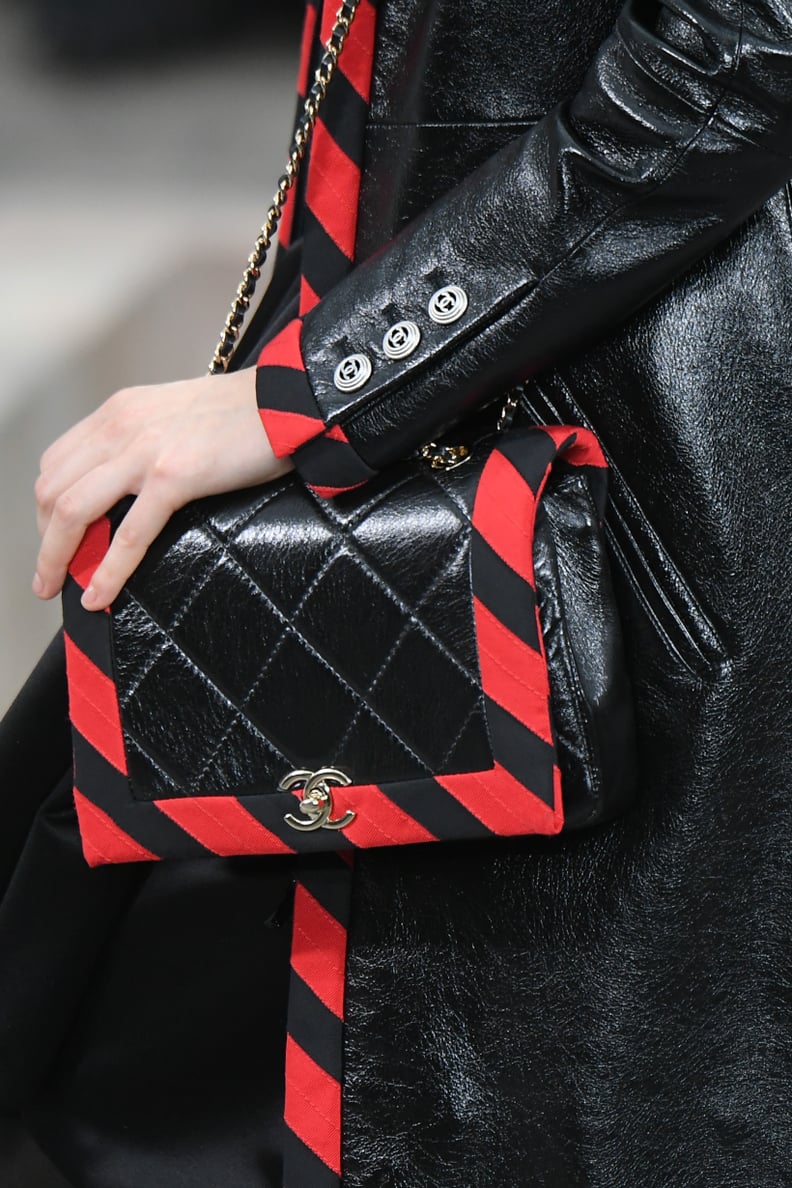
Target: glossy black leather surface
{"points": [[590, 695], [333, 610], [567, 229], [607, 1008]]}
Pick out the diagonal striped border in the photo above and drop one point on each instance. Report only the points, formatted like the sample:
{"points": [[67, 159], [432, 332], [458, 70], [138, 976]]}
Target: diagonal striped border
{"points": [[326, 460], [513, 670], [519, 794]]}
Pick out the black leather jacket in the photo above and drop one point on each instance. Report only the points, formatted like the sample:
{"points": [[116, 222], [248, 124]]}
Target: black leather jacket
{"points": [[602, 1009], [606, 1009]]}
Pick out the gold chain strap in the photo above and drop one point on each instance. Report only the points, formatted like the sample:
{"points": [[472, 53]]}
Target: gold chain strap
{"points": [[302, 136]]}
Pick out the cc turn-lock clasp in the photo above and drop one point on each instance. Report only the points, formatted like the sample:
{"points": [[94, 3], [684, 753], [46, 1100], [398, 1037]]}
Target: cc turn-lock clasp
{"points": [[316, 803]]}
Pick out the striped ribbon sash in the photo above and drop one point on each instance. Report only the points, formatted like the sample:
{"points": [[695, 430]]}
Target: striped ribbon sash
{"points": [[314, 1075]]}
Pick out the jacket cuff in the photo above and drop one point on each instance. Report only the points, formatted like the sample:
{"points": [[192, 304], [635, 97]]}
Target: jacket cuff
{"points": [[323, 457]]}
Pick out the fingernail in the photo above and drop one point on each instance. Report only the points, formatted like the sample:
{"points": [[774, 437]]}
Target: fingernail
{"points": [[89, 598], [38, 585]]}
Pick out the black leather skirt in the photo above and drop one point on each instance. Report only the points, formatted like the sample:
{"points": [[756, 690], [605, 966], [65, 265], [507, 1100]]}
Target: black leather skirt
{"points": [[142, 1008]]}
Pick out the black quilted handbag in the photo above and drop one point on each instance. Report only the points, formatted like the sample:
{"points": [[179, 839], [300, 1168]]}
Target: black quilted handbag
{"points": [[433, 656]]}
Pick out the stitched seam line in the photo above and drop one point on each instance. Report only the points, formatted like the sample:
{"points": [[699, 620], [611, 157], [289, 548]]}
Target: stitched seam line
{"points": [[329, 513], [276, 649], [189, 599], [719, 119], [405, 631], [289, 626], [528, 122]]}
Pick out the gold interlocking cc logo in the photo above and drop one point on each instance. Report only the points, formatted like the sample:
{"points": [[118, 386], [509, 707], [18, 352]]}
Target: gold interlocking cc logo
{"points": [[317, 799]]}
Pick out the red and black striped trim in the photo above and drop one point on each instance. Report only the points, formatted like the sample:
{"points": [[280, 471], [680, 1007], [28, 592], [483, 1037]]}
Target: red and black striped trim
{"points": [[287, 408], [314, 1044], [327, 462], [309, 35], [324, 457], [292, 420], [335, 167], [519, 794], [514, 683]]}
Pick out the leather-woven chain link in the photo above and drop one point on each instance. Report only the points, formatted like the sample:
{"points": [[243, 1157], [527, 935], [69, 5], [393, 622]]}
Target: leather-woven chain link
{"points": [[300, 142]]}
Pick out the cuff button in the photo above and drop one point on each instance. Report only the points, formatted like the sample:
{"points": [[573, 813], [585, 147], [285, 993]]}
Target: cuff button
{"points": [[401, 340], [352, 373], [447, 305]]}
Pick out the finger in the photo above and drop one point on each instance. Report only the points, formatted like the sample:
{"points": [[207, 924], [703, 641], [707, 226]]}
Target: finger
{"points": [[140, 526], [73, 511], [55, 480]]}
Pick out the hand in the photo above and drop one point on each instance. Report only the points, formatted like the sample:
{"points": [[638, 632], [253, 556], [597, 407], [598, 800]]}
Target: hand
{"points": [[166, 444]]}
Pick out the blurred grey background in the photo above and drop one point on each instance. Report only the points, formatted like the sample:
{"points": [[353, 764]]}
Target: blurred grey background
{"points": [[139, 148]]}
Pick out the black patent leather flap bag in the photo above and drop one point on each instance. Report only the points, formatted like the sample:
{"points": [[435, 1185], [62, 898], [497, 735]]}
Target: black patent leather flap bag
{"points": [[435, 656]]}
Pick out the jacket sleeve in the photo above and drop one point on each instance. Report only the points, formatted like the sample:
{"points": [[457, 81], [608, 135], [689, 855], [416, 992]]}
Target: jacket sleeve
{"points": [[681, 128]]}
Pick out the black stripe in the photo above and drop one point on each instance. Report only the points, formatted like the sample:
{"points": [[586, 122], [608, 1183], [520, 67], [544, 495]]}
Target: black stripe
{"points": [[90, 630], [102, 784], [524, 755], [436, 809], [315, 1028], [301, 1168], [597, 478], [508, 596], [329, 879], [285, 389], [344, 116], [98, 780], [530, 453], [324, 264], [325, 462], [270, 810]]}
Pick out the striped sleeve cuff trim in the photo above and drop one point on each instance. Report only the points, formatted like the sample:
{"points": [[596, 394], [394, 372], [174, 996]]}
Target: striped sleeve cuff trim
{"points": [[288, 410]]}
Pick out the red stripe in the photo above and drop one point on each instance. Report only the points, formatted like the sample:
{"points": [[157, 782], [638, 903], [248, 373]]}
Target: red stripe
{"points": [[512, 673], [358, 53], [308, 297], [579, 446], [378, 821], [337, 434], [103, 841], [284, 349], [288, 430], [502, 803], [319, 950], [91, 552], [329, 10], [329, 492], [93, 705], [332, 193], [222, 825], [504, 512], [313, 1105]]}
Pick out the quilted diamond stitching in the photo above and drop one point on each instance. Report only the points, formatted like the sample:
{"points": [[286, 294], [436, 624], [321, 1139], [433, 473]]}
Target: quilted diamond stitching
{"points": [[195, 520], [471, 676], [312, 651], [204, 676], [288, 628], [408, 626], [343, 520]]}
